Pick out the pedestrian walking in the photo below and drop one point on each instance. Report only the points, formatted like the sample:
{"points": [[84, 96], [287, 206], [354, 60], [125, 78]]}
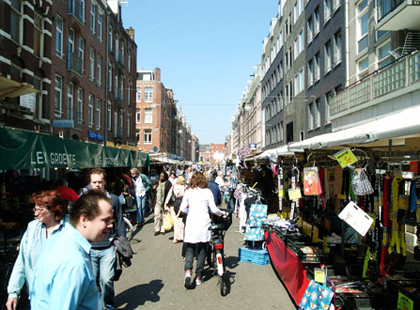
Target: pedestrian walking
{"points": [[63, 277], [50, 210], [142, 185], [173, 202], [197, 201], [162, 188], [210, 176], [103, 253]]}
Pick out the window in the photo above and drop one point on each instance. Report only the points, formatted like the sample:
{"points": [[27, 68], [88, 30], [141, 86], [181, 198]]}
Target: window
{"points": [[147, 116], [281, 131], [109, 78], [98, 114], [301, 42], [80, 106], [296, 84], [363, 66], [92, 64], [147, 137], [115, 122], [301, 80], [336, 4], [38, 98], [138, 136], [109, 125], [138, 116], [129, 62], [100, 21], [310, 119], [58, 96], [316, 21], [81, 52], [38, 39], [99, 73], [311, 73], [70, 45], [116, 86], [328, 9], [128, 125], [111, 42], [148, 94], [16, 20], [90, 111], [296, 48], [363, 26], [92, 17], [384, 56], [317, 114], [117, 48], [59, 36], [301, 6], [310, 29], [337, 48], [81, 12], [70, 102], [328, 57], [138, 92], [129, 94], [328, 99], [317, 73], [296, 12]]}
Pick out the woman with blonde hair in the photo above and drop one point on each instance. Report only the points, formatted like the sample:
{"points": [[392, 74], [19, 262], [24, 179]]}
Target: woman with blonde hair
{"points": [[197, 202], [173, 202]]}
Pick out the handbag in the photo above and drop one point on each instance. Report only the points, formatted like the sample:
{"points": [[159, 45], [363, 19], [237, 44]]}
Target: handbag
{"points": [[168, 222]]}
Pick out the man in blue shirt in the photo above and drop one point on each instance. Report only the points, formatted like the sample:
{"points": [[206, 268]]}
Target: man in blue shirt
{"points": [[63, 277], [214, 188]]}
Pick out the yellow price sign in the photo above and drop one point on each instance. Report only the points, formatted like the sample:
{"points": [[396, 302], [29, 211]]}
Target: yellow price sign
{"points": [[345, 157], [315, 235], [319, 275], [295, 193]]}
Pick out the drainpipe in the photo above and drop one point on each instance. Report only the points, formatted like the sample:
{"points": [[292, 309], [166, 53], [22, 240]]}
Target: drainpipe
{"points": [[346, 21], [106, 78]]}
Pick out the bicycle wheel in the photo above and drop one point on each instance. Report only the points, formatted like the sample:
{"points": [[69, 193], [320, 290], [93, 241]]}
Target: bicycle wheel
{"points": [[222, 285]]}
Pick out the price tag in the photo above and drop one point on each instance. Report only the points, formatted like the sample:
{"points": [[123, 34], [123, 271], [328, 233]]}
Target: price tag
{"points": [[404, 303], [315, 235], [295, 193], [319, 275], [342, 197], [345, 157], [281, 192]]}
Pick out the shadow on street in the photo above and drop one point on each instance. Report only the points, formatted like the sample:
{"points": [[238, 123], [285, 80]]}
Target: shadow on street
{"points": [[138, 295]]}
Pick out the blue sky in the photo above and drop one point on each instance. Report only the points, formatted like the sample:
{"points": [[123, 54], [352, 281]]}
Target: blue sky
{"points": [[206, 50]]}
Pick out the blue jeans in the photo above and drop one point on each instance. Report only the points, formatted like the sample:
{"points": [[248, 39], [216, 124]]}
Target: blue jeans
{"points": [[103, 269], [141, 208]]}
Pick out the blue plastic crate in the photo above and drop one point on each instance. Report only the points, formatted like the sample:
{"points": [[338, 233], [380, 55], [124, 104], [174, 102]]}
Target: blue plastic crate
{"points": [[256, 257]]}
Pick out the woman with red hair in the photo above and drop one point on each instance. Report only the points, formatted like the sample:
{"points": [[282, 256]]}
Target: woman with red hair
{"points": [[50, 213]]}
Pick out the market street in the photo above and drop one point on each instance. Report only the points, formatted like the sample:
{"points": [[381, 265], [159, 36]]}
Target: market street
{"points": [[156, 278]]}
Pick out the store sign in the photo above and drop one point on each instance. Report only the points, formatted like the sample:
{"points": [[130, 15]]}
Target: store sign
{"points": [[63, 123], [95, 135], [28, 101], [252, 146]]}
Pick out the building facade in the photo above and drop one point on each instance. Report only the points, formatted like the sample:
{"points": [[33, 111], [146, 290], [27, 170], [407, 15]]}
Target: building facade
{"points": [[26, 31]]}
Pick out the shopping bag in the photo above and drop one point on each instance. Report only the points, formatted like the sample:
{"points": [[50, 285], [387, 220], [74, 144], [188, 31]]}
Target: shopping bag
{"points": [[167, 221]]}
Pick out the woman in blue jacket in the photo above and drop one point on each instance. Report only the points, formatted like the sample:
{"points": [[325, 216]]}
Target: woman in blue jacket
{"points": [[50, 212]]}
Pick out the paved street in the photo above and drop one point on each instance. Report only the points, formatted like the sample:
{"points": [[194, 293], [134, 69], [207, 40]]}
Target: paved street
{"points": [[155, 280]]}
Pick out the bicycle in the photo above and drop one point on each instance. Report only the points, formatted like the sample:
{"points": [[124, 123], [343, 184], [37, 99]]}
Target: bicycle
{"points": [[216, 254]]}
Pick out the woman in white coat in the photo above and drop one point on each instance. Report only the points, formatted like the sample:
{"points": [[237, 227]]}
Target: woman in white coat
{"points": [[197, 202]]}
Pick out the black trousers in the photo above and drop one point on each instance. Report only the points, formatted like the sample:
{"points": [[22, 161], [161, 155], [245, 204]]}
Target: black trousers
{"points": [[200, 250]]}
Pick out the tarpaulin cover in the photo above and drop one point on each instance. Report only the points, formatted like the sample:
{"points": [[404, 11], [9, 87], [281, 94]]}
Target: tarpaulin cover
{"points": [[288, 267], [28, 150]]}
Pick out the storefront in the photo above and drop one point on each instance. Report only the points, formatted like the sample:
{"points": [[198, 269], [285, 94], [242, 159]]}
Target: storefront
{"points": [[352, 226]]}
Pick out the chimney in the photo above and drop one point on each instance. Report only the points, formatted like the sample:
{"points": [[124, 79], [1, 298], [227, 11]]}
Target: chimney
{"points": [[130, 32]]}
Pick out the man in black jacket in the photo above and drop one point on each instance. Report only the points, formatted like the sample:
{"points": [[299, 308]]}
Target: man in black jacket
{"points": [[103, 253]]}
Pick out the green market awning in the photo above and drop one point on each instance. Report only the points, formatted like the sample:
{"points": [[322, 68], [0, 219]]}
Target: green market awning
{"points": [[28, 150]]}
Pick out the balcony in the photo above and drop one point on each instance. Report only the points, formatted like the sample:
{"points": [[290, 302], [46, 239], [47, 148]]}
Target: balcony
{"points": [[75, 9], [394, 15], [74, 63], [395, 80], [119, 99]]}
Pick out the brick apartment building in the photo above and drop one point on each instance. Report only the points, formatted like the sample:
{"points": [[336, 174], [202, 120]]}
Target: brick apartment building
{"points": [[211, 153], [81, 61], [155, 113]]}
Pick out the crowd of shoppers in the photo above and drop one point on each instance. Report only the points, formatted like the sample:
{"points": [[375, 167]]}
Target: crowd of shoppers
{"points": [[75, 268]]}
